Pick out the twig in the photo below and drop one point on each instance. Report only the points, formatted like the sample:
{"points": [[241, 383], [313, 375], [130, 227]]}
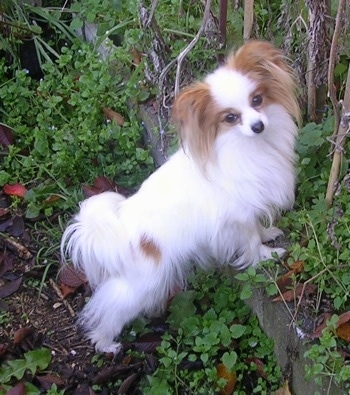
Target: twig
{"points": [[339, 137], [151, 14], [332, 59], [183, 54], [302, 294], [60, 295], [16, 247], [248, 19]]}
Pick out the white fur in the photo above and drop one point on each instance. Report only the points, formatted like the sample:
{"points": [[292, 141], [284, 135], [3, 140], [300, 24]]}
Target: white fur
{"points": [[188, 215]]}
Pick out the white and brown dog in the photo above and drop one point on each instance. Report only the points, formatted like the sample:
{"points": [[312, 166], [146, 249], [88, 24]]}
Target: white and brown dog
{"points": [[233, 172]]}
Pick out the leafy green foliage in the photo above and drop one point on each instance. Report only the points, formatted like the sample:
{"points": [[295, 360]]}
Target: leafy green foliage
{"points": [[61, 135], [326, 358], [33, 361], [216, 327]]}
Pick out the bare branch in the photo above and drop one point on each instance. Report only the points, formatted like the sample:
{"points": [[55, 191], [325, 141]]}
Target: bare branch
{"points": [[180, 58], [248, 19], [343, 131], [332, 60]]}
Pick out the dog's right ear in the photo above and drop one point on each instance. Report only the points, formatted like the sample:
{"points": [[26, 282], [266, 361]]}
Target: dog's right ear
{"points": [[195, 114]]}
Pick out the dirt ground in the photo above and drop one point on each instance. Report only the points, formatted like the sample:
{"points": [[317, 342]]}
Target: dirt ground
{"points": [[36, 313]]}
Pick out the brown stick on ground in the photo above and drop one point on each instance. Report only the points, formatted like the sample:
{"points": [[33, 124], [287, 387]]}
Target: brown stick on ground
{"points": [[339, 141], [16, 247]]}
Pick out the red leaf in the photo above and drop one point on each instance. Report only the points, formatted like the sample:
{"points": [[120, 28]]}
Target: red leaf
{"points": [[4, 225], [6, 263], [128, 382], [299, 291], [67, 290], [21, 334], [318, 331], [229, 376], [259, 366], [114, 116], [18, 389], [84, 389], [6, 135], [147, 343], [101, 184], [343, 318], [71, 277], [104, 184], [3, 349], [16, 229], [343, 331], [4, 211], [49, 379], [89, 191], [284, 390], [15, 190], [10, 287]]}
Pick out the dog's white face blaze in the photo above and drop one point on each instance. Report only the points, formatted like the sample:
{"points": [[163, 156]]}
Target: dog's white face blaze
{"points": [[233, 91], [235, 167]]}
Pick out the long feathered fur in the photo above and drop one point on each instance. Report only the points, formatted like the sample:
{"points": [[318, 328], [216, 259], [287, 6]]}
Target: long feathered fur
{"points": [[207, 203]]}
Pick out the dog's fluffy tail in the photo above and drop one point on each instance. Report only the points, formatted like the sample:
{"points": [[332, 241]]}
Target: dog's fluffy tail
{"points": [[91, 239]]}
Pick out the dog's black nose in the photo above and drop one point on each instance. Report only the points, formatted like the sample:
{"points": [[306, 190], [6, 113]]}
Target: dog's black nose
{"points": [[257, 127]]}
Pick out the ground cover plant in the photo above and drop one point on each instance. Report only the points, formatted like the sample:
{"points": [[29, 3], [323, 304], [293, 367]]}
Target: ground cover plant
{"points": [[74, 122]]}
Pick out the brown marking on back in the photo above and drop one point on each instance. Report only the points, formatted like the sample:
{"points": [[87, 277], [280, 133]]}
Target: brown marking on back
{"points": [[150, 249]]}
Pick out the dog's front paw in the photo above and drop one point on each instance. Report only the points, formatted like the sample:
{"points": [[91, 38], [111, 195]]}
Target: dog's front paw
{"points": [[268, 252], [271, 233], [110, 348]]}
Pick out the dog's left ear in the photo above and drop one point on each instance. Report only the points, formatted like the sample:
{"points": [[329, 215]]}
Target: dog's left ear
{"points": [[266, 64], [194, 113]]}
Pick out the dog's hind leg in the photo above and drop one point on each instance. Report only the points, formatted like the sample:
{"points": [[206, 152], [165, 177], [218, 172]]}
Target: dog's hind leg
{"points": [[115, 303]]}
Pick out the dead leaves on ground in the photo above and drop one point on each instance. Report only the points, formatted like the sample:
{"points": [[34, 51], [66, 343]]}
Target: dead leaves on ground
{"points": [[101, 184], [342, 328], [289, 290]]}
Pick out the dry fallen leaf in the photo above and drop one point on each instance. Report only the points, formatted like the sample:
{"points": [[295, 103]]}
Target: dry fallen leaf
{"points": [[114, 116], [343, 331], [343, 326], [18, 389], [6, 135], [136, 56], [72, 277], [67, 290], [296, 293], [286, 281], [10, 287], [297, 267], [229, 376], [101, 184], [21, 334], [259, 366], [47, 380], [318, 331], [284, 390]]}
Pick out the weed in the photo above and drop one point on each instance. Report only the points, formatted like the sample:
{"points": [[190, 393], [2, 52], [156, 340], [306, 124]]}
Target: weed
{"points": [[213, 326], [326, 359], [33, 361]]}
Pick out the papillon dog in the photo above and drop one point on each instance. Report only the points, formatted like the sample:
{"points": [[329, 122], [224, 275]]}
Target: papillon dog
{"points": [[212, 202]]}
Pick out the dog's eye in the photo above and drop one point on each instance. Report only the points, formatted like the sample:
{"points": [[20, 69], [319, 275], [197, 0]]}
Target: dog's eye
{"points": [[257, 101], [231, 118]]}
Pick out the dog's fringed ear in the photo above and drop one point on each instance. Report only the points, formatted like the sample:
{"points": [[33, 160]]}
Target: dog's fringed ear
{"points": [[194, 114], [264, 63]]}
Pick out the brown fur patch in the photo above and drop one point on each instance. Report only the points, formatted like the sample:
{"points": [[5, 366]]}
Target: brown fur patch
{"points": [[267, 65], [198, 118], [150, 248]]}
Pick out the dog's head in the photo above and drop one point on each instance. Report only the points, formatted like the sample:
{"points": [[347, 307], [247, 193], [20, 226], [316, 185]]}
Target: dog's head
{"points": [[234, 99]]}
